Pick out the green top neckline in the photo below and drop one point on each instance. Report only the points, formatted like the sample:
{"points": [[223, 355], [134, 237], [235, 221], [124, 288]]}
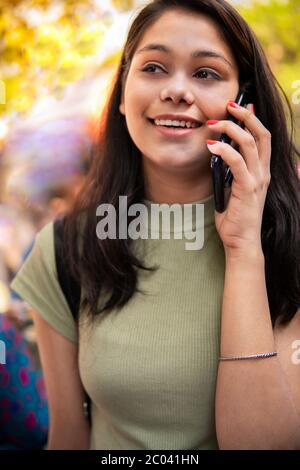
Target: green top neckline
{"points": [[192, 221]]}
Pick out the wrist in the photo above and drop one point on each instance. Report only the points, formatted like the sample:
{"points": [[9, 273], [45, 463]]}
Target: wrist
{"points": [[248, 254]]}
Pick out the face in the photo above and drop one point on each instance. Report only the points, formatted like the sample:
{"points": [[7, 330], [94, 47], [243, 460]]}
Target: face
{"points": [[170, 81]]}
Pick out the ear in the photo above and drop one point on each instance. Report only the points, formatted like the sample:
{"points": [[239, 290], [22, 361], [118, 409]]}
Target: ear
{"points": [[122, 108], [122, 105]]}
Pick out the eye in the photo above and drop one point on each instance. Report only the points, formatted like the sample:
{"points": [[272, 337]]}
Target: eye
{"points": [[150, 67], [206, 72]]}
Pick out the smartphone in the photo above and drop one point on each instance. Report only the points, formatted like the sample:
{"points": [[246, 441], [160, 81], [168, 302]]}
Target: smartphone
{"points": [[221, 174]]}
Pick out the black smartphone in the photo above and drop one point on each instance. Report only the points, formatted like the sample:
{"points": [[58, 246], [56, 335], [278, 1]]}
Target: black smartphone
{"points": [[221, 174]]}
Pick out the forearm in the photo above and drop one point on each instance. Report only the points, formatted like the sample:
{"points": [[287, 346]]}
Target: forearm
{"points": [[65, 435], [254, 407]]}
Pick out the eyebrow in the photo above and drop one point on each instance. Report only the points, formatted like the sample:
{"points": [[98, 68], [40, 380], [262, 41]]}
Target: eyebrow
{"points": [[199, 53]]}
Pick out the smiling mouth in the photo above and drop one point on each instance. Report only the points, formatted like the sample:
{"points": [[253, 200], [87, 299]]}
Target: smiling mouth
{"points": [[174, 127]]}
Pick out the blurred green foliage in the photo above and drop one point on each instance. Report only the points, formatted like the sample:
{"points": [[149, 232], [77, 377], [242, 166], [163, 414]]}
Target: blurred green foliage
{"points": [[277, 26], [46, 45]]}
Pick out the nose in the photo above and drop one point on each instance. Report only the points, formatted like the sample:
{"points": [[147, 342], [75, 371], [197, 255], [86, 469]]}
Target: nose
{"points": [[177, 91]]}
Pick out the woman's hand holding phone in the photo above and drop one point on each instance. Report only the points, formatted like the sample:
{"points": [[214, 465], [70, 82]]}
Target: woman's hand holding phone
{"points": [[239, 226]]}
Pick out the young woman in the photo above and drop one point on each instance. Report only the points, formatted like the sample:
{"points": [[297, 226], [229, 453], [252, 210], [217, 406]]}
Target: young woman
{"points": [[164, 334]]}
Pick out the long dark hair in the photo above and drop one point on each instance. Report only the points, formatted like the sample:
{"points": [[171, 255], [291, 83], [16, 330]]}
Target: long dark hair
{"points": [[116, 169]]}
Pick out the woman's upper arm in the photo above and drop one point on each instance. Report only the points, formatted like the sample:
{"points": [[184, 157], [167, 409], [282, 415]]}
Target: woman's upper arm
{"points": [[59, 357]]}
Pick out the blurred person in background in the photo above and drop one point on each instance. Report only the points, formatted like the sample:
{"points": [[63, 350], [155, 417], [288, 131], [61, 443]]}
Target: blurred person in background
{"points": [[23, 400]]}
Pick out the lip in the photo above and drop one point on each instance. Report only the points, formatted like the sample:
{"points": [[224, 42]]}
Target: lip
{"points": [[177, 117], [172, 132]]}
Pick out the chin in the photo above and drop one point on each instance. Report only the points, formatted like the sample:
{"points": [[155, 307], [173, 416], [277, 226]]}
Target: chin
{"points": [[177, 162]]}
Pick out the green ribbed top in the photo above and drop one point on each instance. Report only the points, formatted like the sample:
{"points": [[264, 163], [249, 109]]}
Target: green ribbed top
{"points": [[150, 368]]}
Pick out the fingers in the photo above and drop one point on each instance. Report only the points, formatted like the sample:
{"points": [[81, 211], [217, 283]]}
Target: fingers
{"points": [[251, 108], [233, 159], [259, 132], [245, 141], [254, 141]]}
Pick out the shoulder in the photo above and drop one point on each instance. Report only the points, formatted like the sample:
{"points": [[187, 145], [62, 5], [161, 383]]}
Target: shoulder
{"points": [[44, 246], [44, 240], [287, 340], [37, 283], [46, 234], [39, 256], [46, 230]]}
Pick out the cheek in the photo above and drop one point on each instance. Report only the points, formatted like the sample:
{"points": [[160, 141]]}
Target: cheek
{"points": [[134, 116], [133, 106], [139, 97], [214, 106], [137, 110]]}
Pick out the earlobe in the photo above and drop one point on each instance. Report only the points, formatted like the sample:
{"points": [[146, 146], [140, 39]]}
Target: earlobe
{"points": [[122, 109]]}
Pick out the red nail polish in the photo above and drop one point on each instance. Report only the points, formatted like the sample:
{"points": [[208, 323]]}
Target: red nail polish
{"points": [[212, 121], [211, 142], [253, 108], [233, 104]]}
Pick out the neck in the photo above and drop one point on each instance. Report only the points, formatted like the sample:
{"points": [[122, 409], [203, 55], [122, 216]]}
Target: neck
{"points": [[176, 186]]}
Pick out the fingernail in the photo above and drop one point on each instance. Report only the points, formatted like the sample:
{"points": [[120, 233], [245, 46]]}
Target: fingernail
{"points": [[253, 108], [212, 121], [211, 142], [233, 104]]}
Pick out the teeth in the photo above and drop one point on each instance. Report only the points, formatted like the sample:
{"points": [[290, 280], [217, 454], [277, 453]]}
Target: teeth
{"points": [[168, 122]]}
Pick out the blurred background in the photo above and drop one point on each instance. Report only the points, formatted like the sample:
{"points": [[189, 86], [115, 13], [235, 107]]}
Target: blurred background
{"points": [[57, 60]]}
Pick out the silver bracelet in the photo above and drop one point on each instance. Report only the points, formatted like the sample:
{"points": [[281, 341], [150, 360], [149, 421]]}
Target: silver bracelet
{"points": [[85, 409], [253, 356]]}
